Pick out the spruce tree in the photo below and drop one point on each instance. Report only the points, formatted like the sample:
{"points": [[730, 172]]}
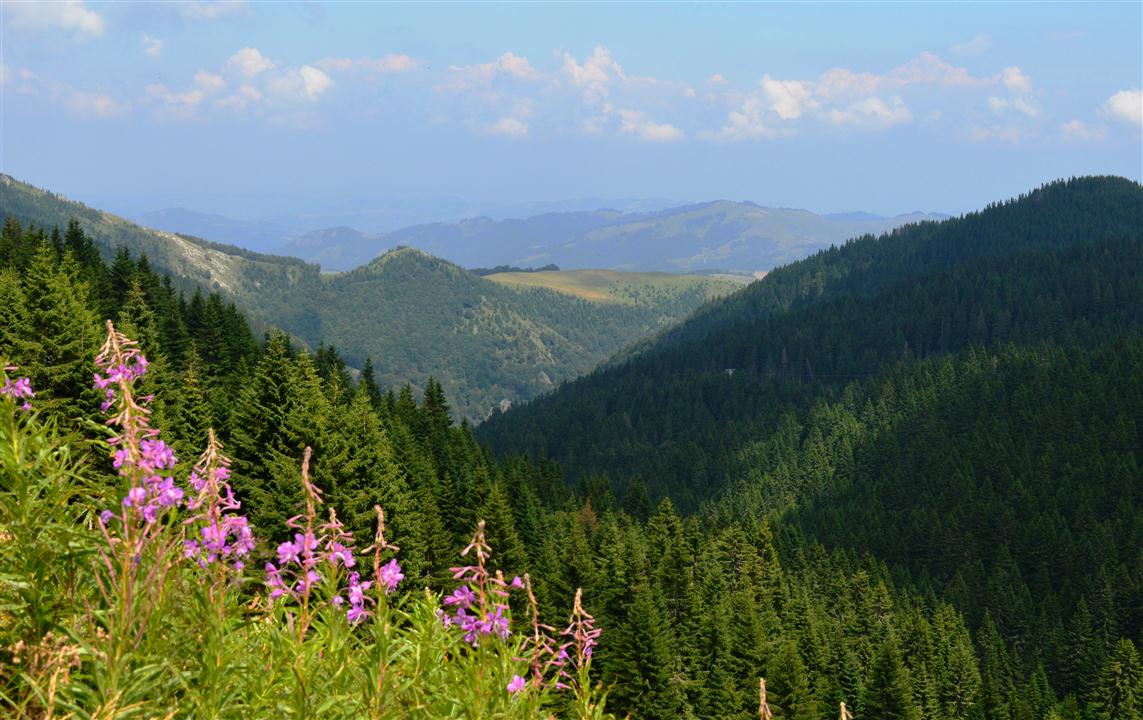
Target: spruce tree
{"points": [[888, 688]]}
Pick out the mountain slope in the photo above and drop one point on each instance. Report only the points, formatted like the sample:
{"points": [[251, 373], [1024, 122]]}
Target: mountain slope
{"points": [[1058, 264], [721, 235], [962, 401], [236, 272], [415, 315]]}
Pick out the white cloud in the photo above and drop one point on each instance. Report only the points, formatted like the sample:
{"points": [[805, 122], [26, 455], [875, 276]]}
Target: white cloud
{"points": [[871, 114], [179, 105], [637, 123], [306, 83], [978, 45], [93, 104], [464, 77], [595, 75], [1022, 105], [1016, 81], [389, 63], [747, 122], [244, 96], [208, 11], [5, 74], [69, 15], [716, 79], [249, 61], [1078, 131], [689, 92], [925, 69], [152, 47], [1125, 106], [787, 98], [509, 126], [209, 81], [838, 82]]}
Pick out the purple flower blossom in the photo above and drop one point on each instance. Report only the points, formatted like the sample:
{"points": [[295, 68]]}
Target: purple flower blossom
{"points": [[516, 684], [18, 389], [462, 597], [340, 553], [358, 598], [480, 610], [390, 575]]}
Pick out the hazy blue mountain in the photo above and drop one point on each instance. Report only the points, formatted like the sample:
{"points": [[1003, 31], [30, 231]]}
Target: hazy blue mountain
{"points": [[720, 235], [257, 235]]}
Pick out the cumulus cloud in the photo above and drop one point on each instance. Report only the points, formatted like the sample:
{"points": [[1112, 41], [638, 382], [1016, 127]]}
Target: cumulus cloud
{"points": [[595, 75], [1016, 81], [389, 63], [842, 82], [465, 77], [978, 45], [787, 98], [871, 113], [1022, 105], [925, 69], [174, 104], [70, 15], [245, 96], [638, 124], [509, 126], [249, 61], [209, 81], [748, 122], [152, 47], [716, 79], [1078, 131], [306, 83], [1125, 106]]}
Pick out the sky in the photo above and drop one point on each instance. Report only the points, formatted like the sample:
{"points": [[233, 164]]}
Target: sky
{"points": [[885, 108]]}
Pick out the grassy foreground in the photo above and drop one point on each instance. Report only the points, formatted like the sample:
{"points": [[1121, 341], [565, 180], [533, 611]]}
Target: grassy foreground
{"points": [[131, 587]]}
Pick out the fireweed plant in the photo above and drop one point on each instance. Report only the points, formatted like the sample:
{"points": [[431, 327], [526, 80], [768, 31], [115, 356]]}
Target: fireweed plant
{"points": [[146, 602]]}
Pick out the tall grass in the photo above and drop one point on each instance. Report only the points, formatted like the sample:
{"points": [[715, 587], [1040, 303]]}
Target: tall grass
{"points": [[126, 592]]}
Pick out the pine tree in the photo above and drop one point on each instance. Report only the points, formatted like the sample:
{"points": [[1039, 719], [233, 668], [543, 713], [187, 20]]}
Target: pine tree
{"points": [[255, 445], [63, 334], [1118, 693], [13, 314], [888, 689], [643, 664], [788, 684]]}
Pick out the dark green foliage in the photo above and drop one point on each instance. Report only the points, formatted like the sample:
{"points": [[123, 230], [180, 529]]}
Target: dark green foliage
{"points": [[919, 492]]}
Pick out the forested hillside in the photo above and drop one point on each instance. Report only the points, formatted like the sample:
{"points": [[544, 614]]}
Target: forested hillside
{"points": [[409, 314], [907, 543], [962, 401]]}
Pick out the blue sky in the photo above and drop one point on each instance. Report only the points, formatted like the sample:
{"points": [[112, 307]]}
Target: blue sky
{"points": [[881, 107]]}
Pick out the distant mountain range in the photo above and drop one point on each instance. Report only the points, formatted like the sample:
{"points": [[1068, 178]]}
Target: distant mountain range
{"points": [[489, 343], [236, 220], [720, 235], [716, 236]]}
